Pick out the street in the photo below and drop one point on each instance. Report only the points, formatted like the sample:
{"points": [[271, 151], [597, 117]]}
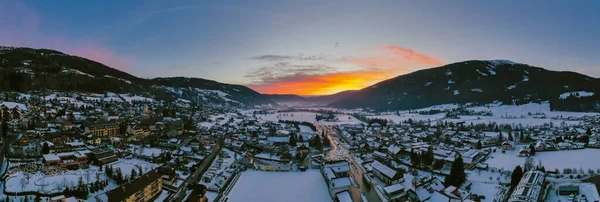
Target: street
{"points": [[339, 152], [194, 178]]}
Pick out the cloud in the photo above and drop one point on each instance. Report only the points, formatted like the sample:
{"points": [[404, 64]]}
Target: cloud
{"points": [[289, 74], [414, 56], [20, 27], [397, 59], [301, 57]]}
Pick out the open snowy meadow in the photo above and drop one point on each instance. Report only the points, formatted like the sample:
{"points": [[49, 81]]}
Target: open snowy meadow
{"points": [[280, 186]]}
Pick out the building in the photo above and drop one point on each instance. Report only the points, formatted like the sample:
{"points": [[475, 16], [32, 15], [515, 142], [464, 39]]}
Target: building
{"points": [[104, 129], [529, 188], [103, 155], [198, 194], [507, 146], [568, 190], [65, 159], [336, 175], [387, 174], [394, 192], [144, 188]]}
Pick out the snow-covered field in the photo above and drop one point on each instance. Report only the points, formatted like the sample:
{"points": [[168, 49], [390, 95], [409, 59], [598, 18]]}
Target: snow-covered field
{"points": [[145, 151], [130, 98], [280, 186], [50, 183], [531, 114], [127, 165], [307, 117], [415, 117], [291, 116], [551, 159]]}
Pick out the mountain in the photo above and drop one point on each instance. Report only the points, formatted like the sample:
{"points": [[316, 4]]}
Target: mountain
{"points": [[319, 100], [479, 82], [27, 69]]}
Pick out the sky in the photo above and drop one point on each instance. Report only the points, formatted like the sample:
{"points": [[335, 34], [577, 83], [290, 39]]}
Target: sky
{"points": [[307, 47]]}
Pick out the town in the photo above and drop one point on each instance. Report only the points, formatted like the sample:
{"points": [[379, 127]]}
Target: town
{"points": [[67, 146]]}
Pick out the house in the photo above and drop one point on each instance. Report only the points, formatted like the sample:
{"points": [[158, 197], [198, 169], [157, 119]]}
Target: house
{"points": [[103, 129], [524, 152], [540, 146], [507, 146], [336, 174], [103, 155], [394, 192], [144, 188], [387, 174], [65, 159], [198, 194]]}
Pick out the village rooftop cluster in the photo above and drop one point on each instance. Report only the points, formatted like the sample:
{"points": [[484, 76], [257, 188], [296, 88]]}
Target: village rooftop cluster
{"points": [[64, 146]]}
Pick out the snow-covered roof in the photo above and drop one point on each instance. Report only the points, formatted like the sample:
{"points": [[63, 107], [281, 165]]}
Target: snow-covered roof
{"points": [[344, 197], [341, 182], [51, 157], [393, 188], [383, 169], [11, 105]]}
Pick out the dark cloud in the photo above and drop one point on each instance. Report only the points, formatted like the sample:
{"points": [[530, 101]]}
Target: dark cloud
{"points": [[280, 70], [299, 57]]}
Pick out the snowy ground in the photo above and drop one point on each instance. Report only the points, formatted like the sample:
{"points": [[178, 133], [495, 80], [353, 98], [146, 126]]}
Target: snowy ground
{"points": [[489, 190], [18, 182], [280, 186], [163, 196], [146, 151], [502, 114], [291, 116], [551, 159], [127, 165], [306, 117]]}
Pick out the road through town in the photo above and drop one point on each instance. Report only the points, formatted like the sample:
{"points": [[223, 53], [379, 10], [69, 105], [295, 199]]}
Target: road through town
{"points": [[338, 151]]}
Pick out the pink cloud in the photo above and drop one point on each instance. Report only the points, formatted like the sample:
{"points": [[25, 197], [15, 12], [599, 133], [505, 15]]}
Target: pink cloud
{"points": [[397, 60], [20, 27]]}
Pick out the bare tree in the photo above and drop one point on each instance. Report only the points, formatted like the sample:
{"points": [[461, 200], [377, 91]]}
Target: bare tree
{"points": [[22, 181], [529, 164], [87, 176]]}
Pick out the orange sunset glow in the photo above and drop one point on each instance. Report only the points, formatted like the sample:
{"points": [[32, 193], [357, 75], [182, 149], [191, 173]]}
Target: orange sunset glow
{"points": [[396, 61], [323, 84]]}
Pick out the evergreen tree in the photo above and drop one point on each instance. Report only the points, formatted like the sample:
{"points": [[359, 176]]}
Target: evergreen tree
{"points": [[414, 159], [133, 174], [428, 157], [521, 136], [478, 145], [500, 137], [588, 132], [531, 149], [293, 140], [457, 173], [45, 148], [516, 176], [318, 143], [510, 137]]}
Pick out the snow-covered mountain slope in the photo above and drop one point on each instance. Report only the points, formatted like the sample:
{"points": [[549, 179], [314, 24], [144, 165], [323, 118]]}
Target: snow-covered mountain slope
{"points": [[479, 82], [27, 69]]}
